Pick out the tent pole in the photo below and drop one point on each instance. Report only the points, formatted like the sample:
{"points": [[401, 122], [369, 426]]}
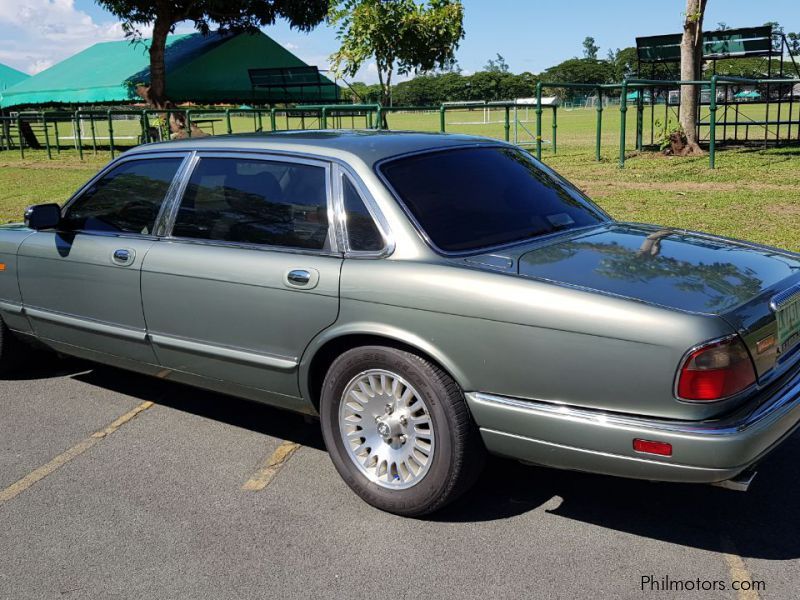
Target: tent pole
{"points": [[21, 141], [111, 132], [76, 133], [94, 137], [599, 123], [46, 136], [539, 120], [623, 108]]}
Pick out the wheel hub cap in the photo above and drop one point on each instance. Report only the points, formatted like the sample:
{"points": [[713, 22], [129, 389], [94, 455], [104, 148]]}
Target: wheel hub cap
{"points": [[387, 429]]}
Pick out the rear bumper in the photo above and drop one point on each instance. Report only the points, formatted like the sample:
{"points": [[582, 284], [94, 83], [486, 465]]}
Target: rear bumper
{"points": [[566, 437]]}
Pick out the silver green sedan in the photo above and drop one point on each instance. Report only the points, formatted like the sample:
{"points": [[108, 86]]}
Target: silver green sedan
{"points": [[431, 297]]}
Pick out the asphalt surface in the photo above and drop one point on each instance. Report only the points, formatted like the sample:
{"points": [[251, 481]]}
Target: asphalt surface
{"points": [[157, 507]]}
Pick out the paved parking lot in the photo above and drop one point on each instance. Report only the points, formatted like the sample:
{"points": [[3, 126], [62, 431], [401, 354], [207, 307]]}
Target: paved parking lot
{"points": [[198, 495]]}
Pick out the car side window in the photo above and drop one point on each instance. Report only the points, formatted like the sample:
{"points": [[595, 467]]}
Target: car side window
{"points": [[127, 199], [362, 233], [254, 201]]}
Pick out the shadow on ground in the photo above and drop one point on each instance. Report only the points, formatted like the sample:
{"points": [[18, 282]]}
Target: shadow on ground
{"points": [[237, 412], [42, 365], [761, 523]]}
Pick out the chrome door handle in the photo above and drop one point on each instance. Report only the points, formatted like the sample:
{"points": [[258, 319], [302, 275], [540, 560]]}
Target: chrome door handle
{"points": [[301, 278], [298, 277], [123, 256]]}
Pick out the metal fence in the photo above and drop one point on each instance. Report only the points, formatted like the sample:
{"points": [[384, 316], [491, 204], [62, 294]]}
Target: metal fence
{"points": [[113, 130]]}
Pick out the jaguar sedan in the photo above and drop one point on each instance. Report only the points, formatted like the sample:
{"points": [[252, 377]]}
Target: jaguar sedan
{"points": [[431, 297]]}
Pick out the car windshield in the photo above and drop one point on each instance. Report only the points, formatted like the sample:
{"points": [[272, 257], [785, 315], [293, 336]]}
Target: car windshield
{"points": [[472, 198]]}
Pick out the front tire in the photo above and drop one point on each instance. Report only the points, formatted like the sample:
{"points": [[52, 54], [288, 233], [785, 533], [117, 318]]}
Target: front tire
{"points": [[398, 430]]}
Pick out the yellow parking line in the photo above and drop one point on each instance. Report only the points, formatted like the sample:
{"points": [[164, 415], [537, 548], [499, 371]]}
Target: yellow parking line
{"points": [[15, 489], [266, 473], [738, 570]]}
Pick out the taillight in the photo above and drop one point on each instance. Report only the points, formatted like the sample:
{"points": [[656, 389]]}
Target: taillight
{"points": [[715, 371]]}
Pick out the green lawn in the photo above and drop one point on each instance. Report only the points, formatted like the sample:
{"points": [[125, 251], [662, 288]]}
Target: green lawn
{"points": [[753, 193]]}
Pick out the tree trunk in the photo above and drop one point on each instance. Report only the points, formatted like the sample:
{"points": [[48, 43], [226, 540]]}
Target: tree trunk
{"points": [[691, 69], [384, 85], [157, 92]]}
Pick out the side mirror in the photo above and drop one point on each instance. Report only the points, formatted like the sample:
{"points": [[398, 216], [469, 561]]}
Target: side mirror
{"points": [[42, 216]]}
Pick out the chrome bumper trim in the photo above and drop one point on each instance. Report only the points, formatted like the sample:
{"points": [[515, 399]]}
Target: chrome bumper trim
{"points": [[773, 408]]}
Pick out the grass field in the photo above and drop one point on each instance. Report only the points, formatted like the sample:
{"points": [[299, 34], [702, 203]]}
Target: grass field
{"points": [[753, 193]]}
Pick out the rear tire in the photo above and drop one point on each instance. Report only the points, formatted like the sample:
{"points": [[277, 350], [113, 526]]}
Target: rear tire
{"points": [[398, 430]]}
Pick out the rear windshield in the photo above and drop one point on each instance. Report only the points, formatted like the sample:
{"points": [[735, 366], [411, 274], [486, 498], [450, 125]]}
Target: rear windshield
{"points": [[474, 198]]}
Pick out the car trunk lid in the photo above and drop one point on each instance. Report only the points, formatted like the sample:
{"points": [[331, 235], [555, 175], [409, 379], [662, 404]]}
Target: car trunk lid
{"points": [[679, 270]]}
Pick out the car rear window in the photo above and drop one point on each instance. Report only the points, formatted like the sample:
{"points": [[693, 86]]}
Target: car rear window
{"points": [[473, 198]]}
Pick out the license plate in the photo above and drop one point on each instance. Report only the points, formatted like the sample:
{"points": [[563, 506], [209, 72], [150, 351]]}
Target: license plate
{"points": [[788, 317]]}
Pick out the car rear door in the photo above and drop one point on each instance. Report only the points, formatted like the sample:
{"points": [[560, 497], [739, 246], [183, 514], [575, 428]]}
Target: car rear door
{"points": [[249, 273], [80, 283]]}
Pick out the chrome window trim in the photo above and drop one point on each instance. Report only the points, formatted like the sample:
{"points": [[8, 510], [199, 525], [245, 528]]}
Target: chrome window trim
{"points": [[174, 195], [245, 246], [340, 171], [198, 155], [185, 155], [605, 218]]}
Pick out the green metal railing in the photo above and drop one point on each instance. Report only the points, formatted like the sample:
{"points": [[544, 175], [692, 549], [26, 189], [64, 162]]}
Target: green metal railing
{"points": [[506, 106], [374, 116]]}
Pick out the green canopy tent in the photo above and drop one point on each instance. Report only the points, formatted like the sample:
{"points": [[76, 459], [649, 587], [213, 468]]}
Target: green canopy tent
{"points": [[748, 95], [634, 95], [203, 69], [10, 77]]}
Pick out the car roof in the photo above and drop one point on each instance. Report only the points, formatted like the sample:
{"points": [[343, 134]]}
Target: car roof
{"points": [[370, 146]]}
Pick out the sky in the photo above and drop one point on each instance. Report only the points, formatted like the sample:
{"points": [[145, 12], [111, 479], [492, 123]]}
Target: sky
{"points": [[530, 35]]}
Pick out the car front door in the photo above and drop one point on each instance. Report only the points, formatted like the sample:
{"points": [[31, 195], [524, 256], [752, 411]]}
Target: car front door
{"points": [[80, 283], [249, 274]]}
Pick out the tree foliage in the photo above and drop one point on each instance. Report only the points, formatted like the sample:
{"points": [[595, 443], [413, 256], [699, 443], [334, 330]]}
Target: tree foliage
{"points": [[230, 15], [433, 89], [624, 62], [401, 36], [582, 70], [590, 48], [496, 65], [792, 38]]}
